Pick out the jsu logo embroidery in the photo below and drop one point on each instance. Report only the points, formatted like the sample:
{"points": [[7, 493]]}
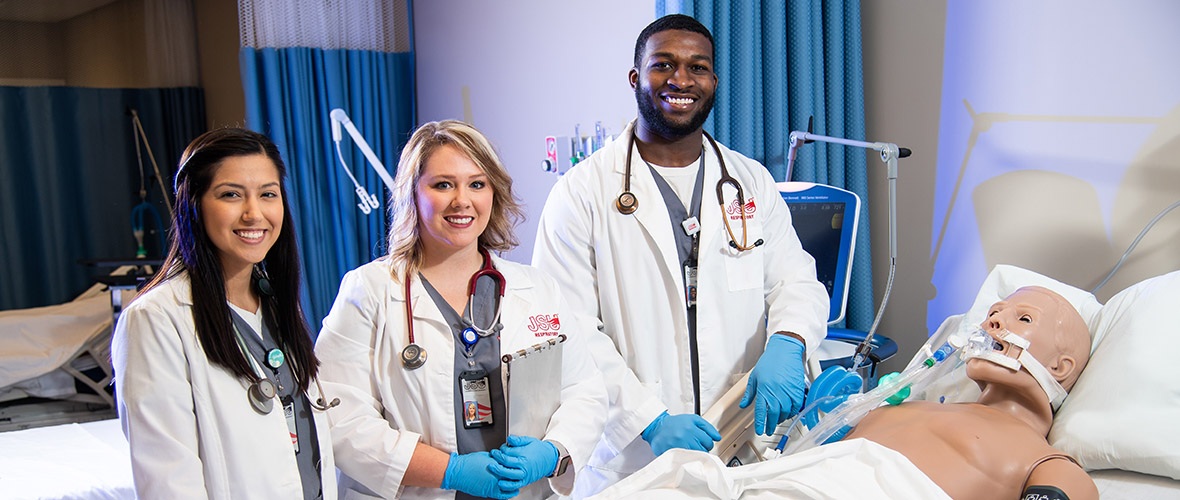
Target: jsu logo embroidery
{"points": [[544, 325], [736, 210]]}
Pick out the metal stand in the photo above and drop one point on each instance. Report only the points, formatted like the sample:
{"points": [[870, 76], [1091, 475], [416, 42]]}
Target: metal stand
{"points": [[890, 153]]}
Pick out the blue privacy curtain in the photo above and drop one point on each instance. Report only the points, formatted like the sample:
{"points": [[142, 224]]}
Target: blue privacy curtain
{"points": [[289, 93], [69, 179], [778, 64]]}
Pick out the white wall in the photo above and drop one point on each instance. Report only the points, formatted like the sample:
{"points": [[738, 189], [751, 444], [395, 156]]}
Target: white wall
{"points": [[1070, 146], [1075, 184], [531, 68]]}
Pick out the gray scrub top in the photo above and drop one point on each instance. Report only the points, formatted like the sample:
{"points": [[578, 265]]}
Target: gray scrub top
{"points": [[308, 456]]}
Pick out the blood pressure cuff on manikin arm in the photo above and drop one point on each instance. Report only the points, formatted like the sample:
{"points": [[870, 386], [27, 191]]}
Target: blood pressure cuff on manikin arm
{"points": [[1042, 492]]}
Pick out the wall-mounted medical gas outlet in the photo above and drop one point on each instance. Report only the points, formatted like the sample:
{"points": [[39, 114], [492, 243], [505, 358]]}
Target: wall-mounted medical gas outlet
{"points": [[563, 152]]}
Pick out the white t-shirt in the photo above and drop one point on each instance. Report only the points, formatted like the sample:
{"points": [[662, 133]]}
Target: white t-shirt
{"points": [[254, 319], [681, 179]]}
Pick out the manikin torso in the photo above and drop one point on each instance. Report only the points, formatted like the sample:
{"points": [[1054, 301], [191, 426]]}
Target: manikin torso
{"points": [[970, 450]]}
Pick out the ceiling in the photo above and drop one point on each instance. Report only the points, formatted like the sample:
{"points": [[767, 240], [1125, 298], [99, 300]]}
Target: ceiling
{"points": [[46, 11]]}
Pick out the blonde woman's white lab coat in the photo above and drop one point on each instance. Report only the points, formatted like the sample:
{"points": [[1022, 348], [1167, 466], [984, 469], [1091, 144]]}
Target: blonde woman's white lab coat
{"points": [[623, 272], [387, 409], [191, 428]]}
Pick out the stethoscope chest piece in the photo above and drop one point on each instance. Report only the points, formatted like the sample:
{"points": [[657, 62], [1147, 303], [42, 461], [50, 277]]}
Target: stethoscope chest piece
{"points": [[626, 203], [261, 394], [413, 356]]}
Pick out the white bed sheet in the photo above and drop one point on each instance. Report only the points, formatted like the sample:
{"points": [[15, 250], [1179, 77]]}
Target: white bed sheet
{"points": [[87, 461], [90, 461], [1115, 484], [853, 469]]}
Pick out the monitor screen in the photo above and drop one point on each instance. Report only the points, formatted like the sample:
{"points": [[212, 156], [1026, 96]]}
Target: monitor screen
{"points": [[819, 226]]}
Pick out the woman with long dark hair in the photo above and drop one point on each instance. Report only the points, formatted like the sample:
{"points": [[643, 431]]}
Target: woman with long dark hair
{"points": [[214, 362]]}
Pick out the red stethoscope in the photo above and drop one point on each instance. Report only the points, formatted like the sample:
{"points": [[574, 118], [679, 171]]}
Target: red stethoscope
{"points": [[414, 356]]}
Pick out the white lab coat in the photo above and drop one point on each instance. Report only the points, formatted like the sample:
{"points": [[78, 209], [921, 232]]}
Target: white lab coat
{"points": [[192, 430], [623, 272], [387, 409]]}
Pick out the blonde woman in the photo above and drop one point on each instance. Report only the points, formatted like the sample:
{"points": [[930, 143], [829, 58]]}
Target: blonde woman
{"points": [[415, 338]]}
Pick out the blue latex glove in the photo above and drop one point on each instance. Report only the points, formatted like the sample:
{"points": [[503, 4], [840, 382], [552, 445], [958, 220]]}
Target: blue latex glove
{"points": [[687, 430], [470, 474], [522, 461], [776, 383]]}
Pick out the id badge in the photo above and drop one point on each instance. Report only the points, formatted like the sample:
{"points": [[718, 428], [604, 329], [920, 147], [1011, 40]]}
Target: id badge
{"points": [[690, 285], [477, 399], [289, 412]]}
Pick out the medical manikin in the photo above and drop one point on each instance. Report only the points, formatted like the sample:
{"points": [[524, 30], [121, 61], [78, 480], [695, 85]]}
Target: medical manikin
{"points": [[996, 447]]}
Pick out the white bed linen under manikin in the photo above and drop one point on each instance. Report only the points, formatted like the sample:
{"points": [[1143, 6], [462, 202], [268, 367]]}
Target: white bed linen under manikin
{"points": [[853, 469]]}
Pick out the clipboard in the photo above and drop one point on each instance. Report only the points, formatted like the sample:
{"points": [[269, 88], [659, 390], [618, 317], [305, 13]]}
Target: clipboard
{"points": [[533, 391], [533, 387]]}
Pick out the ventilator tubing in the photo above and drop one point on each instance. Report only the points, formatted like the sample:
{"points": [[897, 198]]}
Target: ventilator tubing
{"points": [[850, 412]]}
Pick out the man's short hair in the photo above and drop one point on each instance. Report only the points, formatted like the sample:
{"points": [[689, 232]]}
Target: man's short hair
{"points": [[671, 22]]}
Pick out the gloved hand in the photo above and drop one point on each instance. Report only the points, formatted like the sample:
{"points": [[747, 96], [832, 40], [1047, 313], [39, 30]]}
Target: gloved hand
{"points": [[776, 383], [522, 461], [470, 474], [687, 430]]}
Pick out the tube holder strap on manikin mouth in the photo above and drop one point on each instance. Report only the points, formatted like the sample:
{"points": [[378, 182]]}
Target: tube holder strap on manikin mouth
{"points": [[979, 346]]}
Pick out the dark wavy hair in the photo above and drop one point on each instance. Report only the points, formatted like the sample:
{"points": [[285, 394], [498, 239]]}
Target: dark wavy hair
{"points": [[671, 22], [193, 252]]}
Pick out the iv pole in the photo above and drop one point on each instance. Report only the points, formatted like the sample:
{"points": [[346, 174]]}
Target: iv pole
{"points": [[369, 201], [889, 154]]}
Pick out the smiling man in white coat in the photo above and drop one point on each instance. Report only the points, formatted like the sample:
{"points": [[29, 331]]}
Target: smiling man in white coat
{"points": [[684, 253]]}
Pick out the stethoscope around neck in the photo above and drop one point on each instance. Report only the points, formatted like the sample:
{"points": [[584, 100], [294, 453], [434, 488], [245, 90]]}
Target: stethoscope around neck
{"points": [[627, 203], [263, 392], [414, 356]]}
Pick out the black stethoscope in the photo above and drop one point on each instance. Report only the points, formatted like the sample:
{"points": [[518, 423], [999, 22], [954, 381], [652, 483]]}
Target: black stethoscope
{"points": [[627, 203], [414, 356]]}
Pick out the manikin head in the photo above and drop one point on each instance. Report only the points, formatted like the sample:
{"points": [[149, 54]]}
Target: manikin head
{"points": [[1057, 337]]}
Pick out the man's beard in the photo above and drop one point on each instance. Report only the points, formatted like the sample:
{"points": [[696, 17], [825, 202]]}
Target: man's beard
{"points": [[659, 124]]}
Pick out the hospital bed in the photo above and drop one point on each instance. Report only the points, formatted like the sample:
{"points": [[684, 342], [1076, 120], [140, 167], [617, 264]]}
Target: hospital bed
{"points": [[55, 361], [1119, 420]]}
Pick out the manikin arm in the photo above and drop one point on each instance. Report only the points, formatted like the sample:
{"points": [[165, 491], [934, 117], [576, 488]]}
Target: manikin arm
{"points": [[1061, 475]]}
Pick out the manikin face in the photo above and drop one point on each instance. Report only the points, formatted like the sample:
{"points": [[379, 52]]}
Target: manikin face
{"points": [[1032, 313], [454, 202], [675, 84], [243, 210]]}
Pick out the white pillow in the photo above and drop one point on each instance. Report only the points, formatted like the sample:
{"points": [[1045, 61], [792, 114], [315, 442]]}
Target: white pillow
{"points": [[1124, 410], [1004, 280], [999, 284]]}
